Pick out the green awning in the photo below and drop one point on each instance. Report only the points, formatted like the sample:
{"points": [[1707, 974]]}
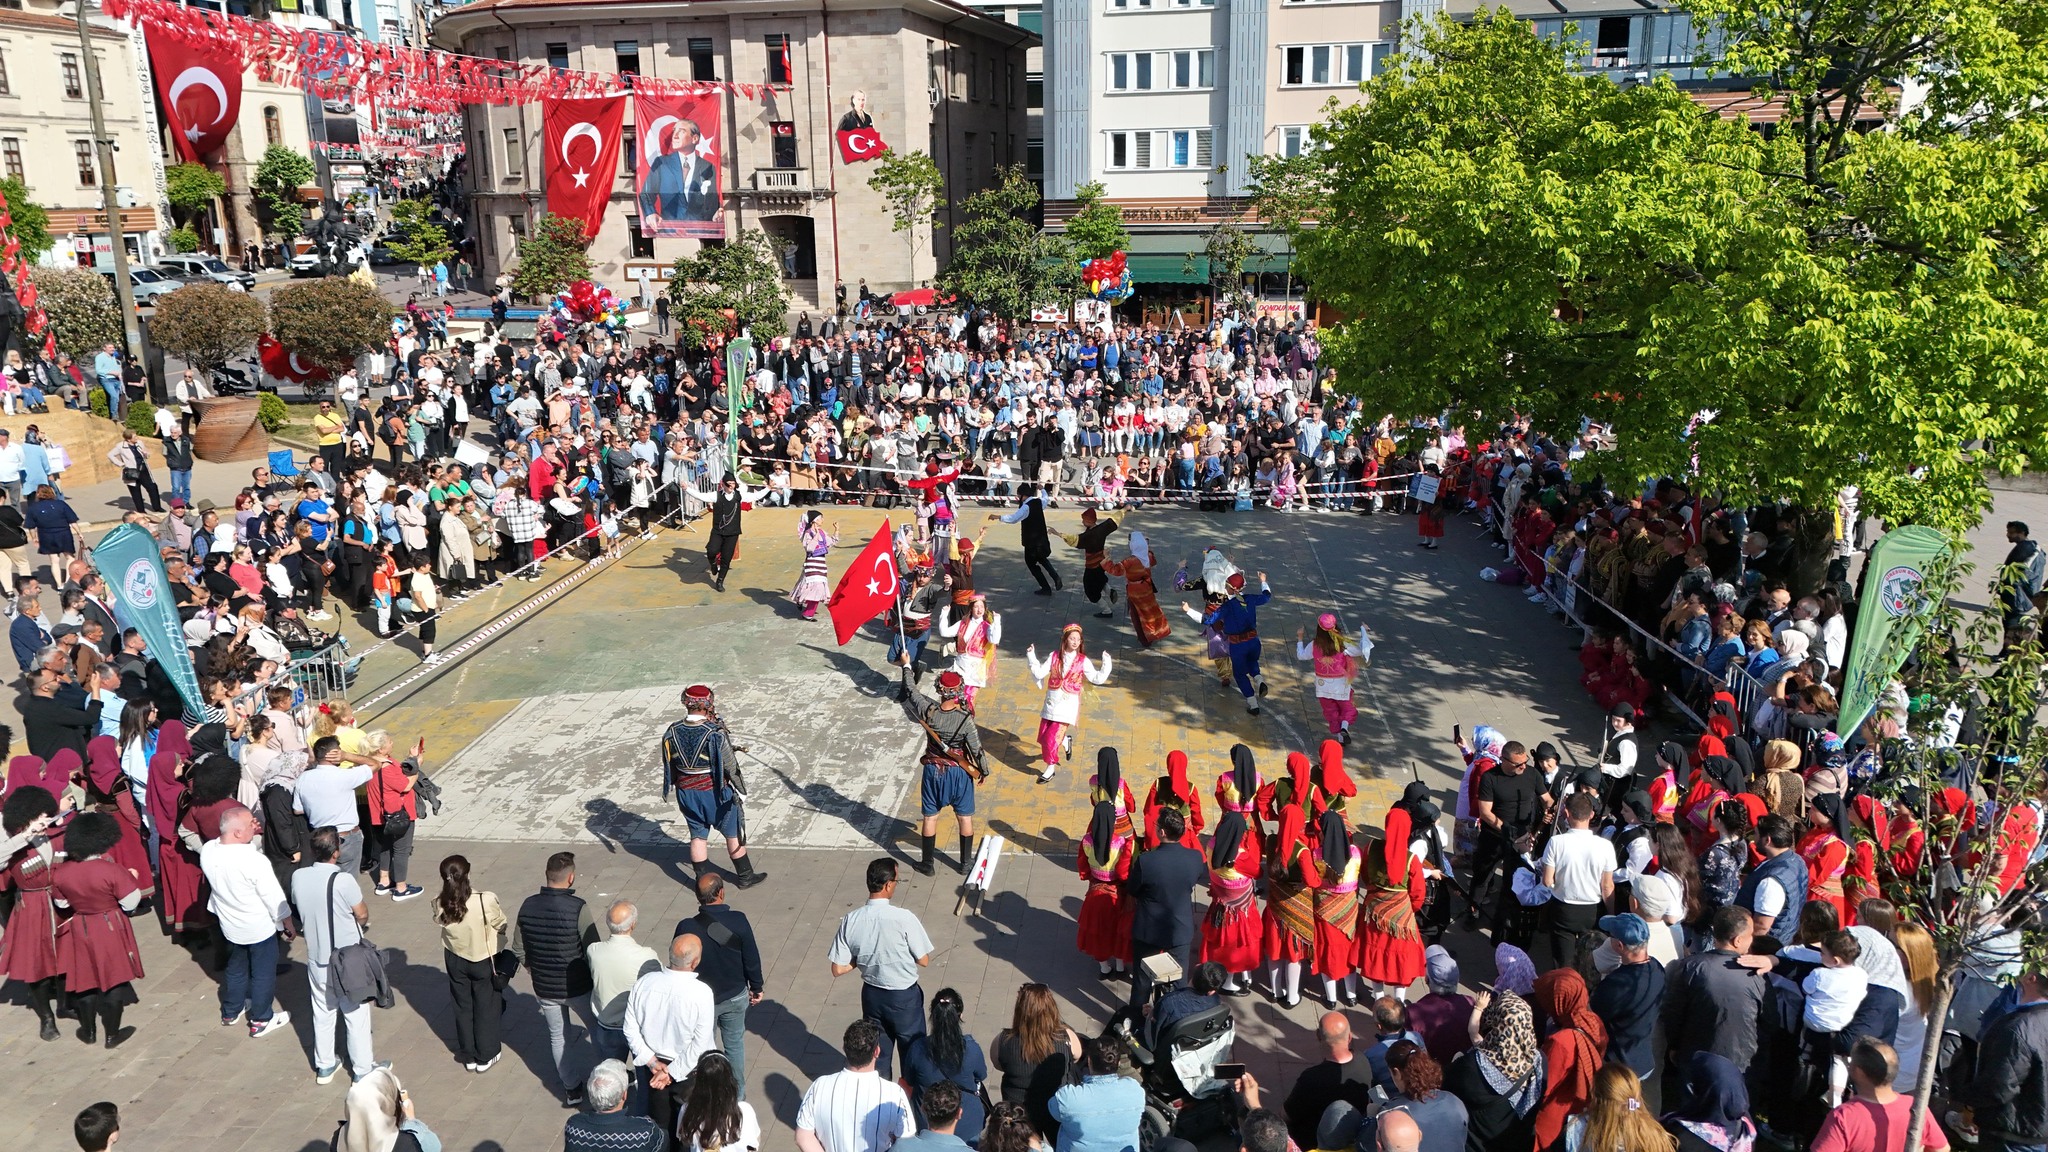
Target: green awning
{"points": [[1159, 268]]}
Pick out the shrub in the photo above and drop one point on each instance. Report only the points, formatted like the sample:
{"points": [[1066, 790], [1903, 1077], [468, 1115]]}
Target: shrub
{"points": [[271, 412], [184, 240], [96, 401], [142, 418]]}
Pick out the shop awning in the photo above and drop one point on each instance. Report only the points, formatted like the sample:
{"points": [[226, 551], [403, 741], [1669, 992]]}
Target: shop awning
{"points": [[1162, 268]]}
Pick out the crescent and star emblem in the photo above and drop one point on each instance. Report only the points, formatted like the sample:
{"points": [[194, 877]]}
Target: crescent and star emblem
{"points": [[205, 78], [652, 141], [859, 143], [292, 360], [581, 128], [883, 565]]}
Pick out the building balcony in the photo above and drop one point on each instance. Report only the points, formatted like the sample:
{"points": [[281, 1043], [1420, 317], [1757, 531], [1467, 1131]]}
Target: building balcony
{"points": [[782, 180], [781, 188]]}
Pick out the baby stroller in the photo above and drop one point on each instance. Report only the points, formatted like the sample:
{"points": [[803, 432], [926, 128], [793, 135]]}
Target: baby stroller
{"points": [[1183, 1097]]}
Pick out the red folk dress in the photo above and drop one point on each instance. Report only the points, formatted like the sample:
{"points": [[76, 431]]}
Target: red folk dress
{"points": [[28, 952], [1104, 932], [1232, 933], [1336, 909], [1827, 861], [96, 948], [1228, 801], [1290, 916], [1390, 947]]}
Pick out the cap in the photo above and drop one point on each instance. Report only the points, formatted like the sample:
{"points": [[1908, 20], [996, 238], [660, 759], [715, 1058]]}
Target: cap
{"points": [[950, 683], [175, 501], [697, 694], [1235, 582], [1632, 930], [1327, 620], [1623, 711]]}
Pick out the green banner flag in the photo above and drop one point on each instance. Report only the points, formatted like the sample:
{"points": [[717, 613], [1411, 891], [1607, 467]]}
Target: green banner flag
{"points": [[128, 560], [1889, 617], [739, 394]]}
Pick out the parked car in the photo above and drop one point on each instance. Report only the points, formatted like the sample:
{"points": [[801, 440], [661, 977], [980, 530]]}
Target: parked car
{"points": [[381, 255], [200, 267], [147, 284], [303, 264]]}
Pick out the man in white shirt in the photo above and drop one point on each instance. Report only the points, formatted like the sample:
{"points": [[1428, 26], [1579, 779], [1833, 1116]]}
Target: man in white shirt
{"points": [[250, 905], [669, 1016], [854, 1109], [1578, 868], [326, 796], [13, 464]]}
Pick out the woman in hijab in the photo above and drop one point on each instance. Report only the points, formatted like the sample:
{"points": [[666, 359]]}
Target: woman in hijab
{"points": [[1664, 790], [1714, 1115], [1779, 784], [1230, 930], [1826, 853], [1501, 1079], [1572, 1052], [1513, 971], [1714, 782], [182, 884], [1108, 785], [1390, 947], [1174, 791], [1332, 875], [1105, 863], [1290, 917], [1870, 842], [103, 759], [1139, 594], [1298, 789], [1336, 784], [1238, 791], [380, 1118]]}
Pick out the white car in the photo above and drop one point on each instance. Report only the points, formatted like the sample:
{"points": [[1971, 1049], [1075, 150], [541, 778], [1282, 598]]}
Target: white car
{"points": [[147, 284], [197, 267]]}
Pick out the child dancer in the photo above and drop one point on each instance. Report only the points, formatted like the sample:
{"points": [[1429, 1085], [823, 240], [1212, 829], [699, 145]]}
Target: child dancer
{"points": [[1336, 659]]}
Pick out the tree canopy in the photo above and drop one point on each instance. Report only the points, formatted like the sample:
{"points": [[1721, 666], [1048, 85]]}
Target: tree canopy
{"points": [[1096, 229], [206, 325], [553, 257], [81, 307], [423, 242], [725, 288], [31, 225], [910, 184], [1777, 315], [279, 176], [330, 321], [1001, 260]]}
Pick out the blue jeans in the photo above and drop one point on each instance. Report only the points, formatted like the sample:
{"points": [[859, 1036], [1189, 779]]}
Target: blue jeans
{"points": [[731, 1018], [181, 485], [116, 398], [250, 979]]}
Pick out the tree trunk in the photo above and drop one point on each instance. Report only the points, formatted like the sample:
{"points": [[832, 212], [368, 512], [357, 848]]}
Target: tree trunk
{"points": [[1813, 540], [1930, 1056]]}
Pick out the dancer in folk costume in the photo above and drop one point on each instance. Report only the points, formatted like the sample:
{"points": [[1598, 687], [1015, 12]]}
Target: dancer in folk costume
{"points": [[96, 951], [812, 586], [1093, 541], [28, 952], [1062, 675], [1297, 788], [1332, 877], [103, 753], [1826, 854], [1429, 524], [1290, 915], [1108, 786], [1140, 596], [975, 632], [1174, 790], [183, 890], [1238, 791], [1231, 932], [952, 764], [1336, 659], [1212, 634], [1335, 784], [1390, 947], [1238, 616], [935, 504], [1105, 863], [959, 570]]}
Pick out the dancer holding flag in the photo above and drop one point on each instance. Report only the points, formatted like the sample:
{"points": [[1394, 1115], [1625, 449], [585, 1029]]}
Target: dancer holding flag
{"points": [[1061, 675], [867, 588]]}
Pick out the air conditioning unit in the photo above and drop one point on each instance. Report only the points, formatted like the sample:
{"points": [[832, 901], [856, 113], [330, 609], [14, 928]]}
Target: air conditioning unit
{"points": [[935, 95], [125, 196]]}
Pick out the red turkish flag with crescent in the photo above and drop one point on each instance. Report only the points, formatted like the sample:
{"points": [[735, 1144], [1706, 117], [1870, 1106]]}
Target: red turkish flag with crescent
{"points": [[201, 90], [284, 364], [581, 140], [868, 587], [858, 144]]}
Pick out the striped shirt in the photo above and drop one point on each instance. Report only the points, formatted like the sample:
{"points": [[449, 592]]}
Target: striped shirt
{"points": [[855, 1111]]}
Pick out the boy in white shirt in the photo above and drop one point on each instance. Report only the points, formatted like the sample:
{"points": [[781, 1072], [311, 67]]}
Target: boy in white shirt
{"points": [[1833, 993]]}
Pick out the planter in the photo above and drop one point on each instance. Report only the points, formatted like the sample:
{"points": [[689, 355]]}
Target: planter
{"points": [[227, 429]]}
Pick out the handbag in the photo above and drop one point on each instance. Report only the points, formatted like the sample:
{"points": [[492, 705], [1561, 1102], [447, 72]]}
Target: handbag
{"points": [[355, 973], [397, 821], [504, 966]]}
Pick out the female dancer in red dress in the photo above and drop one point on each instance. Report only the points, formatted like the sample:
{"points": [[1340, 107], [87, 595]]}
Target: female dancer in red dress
{"points": [[1231, 932], [1333, 877], [28, 952], [1299, 790], [1174, 791], [1334, 782], [1390, 948], [1826, 854], [1290, 917], [1238, 791], [179, 881], [103, 757], [97, 951], [1107, 785], [1105, 928]]}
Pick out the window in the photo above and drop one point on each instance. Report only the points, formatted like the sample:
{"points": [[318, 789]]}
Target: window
{"points": [[779, 69], [74, 86], [514, 154], [626, 54], [629, 152], [1611, 49], [643, 246], [1295, 140], [1119, 150], [1143, 71], [10, 151], [482, 159], [273, 126], [1313, 65], [1147, 71], [1194, 69], [1034, 90], [504, 54], [6, 87], [703, 64], [782, 134], [558, 56], [1174, 148], [1119, 72], [87, 178], [1034, 159], [974, 76]]}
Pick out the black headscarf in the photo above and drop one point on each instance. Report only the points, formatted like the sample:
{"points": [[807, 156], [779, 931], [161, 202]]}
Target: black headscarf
{"points": [[1829, 804], [1638, 804], [1423, 812], [1230, 833], [1673, 753], [1724, 771], [1109, 772], [1244, 773], [1336, 840], [1102, 829]]}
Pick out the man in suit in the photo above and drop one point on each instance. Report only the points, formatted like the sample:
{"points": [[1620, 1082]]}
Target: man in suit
{"points": [[1163, 882], [681, 185]]}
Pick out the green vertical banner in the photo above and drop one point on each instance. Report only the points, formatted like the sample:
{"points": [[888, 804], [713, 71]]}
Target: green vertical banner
{"points": [[1890, 616], [739, 353], [128, 560]]}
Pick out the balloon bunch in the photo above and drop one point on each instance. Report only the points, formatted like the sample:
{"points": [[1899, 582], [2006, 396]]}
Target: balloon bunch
{"points": [[587, 303], [1107, 278]]}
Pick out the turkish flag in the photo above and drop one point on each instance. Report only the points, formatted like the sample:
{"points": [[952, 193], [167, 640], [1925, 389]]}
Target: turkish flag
{"points": [[868, 587], [201, 90], [858, 144], [581, 140], [285, 365]]}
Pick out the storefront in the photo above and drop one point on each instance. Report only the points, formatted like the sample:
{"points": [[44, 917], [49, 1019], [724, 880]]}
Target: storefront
{"points": [[83, 239]]}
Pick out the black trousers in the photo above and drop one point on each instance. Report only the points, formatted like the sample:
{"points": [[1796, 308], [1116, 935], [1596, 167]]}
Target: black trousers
{"points": [[479, 1008], [665, 1105], [1493, 854], [144, 482], [1569, 924], [1141, 984], [1093, 581], [1040, 566], [720, 551]]}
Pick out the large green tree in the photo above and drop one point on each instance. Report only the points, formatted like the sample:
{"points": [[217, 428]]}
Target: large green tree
{"points": [[1096, 228], [554, 256], [1001, 260], [727, 287], [279, 176], [206, 325], [191, 189], [423, 242], [81, 307], [31, 226], [1822, 306], [330, 321]]}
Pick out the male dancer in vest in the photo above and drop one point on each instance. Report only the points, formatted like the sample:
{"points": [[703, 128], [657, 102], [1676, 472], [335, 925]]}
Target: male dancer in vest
{"points": [[1619, 755], [1093, 541], [1037, 543], [1238, 617], [953, 763], [724, 545], [697, 761]]}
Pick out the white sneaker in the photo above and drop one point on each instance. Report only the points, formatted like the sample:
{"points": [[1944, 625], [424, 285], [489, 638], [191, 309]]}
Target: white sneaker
{"points": [[434, 658], [280, 1020], [487, 1065]]}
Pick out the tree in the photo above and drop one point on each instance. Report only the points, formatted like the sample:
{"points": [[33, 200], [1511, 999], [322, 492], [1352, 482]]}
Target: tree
{"points": [[330, 321], [192, 189], [1001, 260], [910, 184], [1096, 229], [424, 243], [31, 227], [1226, 248], [206, 325], [1820, 307], [279, 176], [81, 307], [726, 288], [552, 258]]}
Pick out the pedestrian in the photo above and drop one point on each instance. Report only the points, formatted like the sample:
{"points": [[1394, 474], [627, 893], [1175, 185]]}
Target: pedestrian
{"points": [[2008, 1097], [1062, 676], [394, 810], [608, 1126], [31, 851], [1578, 867], [177, 452], [1500, 1080], [1574, 1047], [1161, 890], [553, 929], [715, 1118], [887, 945], [668, 1025], [942, 1110], [856, 1109], [947, 1055], [1875, 1117], [472, 934], [616, 962], [731, 966], [1238, 618], [380, 1117], [97, 1126], [1104, 1108], [133, 461], [252, 911], [1713, 1000], [723, 545], [1419, 1091], [1713, 1111], [52, 518], [1617, 1118], [325, 794], [331, 904]]}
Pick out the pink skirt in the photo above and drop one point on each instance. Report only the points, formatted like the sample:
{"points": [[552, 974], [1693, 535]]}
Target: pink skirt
{"points": [[1050, 734]]}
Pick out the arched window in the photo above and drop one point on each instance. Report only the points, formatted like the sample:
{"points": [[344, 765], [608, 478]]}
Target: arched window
{"points": [[273, 125]]}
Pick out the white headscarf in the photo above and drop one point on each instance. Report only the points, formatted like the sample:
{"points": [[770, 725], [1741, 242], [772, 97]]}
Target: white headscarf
{"points": [[372, 1113], [1140, 547]]}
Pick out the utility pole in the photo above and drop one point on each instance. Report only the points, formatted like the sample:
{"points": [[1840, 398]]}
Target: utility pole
{"points": [[103, 145]]}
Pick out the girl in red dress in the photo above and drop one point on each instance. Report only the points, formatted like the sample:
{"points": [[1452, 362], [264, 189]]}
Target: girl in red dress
{"points": [[1231, 931], [1390, 947], [1335, 783], [1826, 854], [1105, 927], [1297, 790], [97, 951], [1238, 791], [1108, 785], [179, 880], [1174, 791], [1290, 917], [1332, 875], [28, 952]]}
